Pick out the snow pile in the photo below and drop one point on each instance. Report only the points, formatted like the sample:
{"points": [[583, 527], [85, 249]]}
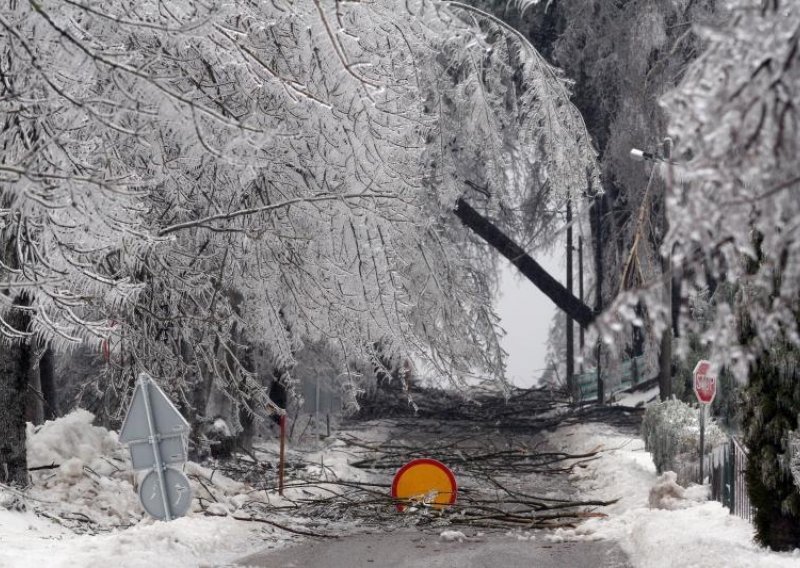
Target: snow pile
{"points": [[213, 492], [87, 486], [667, 494], [333, 463], [92, 486], [92, 482], [71, 437], [694, 533], [636, 398], [450, 536]]}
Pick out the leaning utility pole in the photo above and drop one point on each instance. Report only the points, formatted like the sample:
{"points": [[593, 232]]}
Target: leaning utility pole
{"points": [[540, 278]]}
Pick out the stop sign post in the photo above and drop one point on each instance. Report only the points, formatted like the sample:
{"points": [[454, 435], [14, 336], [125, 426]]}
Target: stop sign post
{"points": [[705, 383], [705, 388]]}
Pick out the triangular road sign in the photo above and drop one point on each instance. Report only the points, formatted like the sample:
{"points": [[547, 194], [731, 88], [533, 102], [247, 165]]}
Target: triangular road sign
{"points": [[165, 417]]}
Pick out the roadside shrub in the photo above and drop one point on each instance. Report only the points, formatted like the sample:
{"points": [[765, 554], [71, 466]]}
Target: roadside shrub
{"points": [[671, 432]]}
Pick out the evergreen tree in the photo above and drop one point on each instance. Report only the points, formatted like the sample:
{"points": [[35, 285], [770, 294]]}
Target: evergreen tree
{"points": [[771, 407]]}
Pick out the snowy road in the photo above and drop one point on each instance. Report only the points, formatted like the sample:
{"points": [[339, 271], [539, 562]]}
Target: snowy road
{"points": [[392, 546], [84, 513], [416, 549]]}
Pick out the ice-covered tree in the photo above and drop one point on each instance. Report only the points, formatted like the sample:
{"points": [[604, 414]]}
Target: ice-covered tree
{"points": [[736, 125], [733, 214], [197, 176]]}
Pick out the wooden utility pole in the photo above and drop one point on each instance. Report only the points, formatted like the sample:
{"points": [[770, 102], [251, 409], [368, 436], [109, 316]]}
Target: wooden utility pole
{"points": [[580, 293], [665, 353], [599, 295], [570, 333]]}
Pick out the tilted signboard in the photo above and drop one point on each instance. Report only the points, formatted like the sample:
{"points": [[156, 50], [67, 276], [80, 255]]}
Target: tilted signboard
{"points": [[156, 436]]}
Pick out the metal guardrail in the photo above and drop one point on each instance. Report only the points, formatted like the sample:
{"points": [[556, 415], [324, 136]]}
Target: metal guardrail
{"points": [[630, 371], [728, 485]]}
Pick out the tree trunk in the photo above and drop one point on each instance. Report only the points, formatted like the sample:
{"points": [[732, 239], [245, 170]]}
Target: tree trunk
{"points": [[14, 368], [540, 278], [34, 399], [47, 379]]}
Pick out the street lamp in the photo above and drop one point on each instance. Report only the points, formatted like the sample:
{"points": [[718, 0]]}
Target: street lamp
{"points": [[641, 155], [665, 352]]}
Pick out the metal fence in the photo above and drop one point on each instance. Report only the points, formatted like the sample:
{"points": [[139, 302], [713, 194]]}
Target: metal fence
{"points": [[727, 471], [322, 404], [630, 372]]}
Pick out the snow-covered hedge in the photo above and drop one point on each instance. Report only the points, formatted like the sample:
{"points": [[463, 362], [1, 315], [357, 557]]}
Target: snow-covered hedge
{"points": [[671, 432], [794, 455]]}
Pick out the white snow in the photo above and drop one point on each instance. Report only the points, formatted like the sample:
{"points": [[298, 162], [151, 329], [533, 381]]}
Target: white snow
{"points": [[637, 398], [655, 521], [688, 532], [92, 491], [450, 536], [27, 540]]}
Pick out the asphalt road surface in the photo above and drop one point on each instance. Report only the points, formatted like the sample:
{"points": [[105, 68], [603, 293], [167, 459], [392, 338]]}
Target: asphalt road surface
{"points": [[413, 549]]}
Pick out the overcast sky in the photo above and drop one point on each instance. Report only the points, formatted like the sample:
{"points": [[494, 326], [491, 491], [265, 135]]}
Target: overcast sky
{"points": [[526, 314]]}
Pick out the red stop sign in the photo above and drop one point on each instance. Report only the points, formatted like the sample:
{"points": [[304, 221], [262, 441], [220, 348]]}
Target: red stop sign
{"points": [[705, 383]]}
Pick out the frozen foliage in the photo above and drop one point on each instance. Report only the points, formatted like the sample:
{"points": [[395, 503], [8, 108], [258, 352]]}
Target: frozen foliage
{"points": [[624, 56], [735, 117], [733, 216], [671, 431], [187, 182]]}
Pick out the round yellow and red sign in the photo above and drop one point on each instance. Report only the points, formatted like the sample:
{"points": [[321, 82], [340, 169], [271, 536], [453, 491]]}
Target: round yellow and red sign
{"points": [[426, 481]]}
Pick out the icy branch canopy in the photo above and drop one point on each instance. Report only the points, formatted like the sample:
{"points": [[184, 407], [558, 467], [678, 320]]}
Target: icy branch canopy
{"points": [[285, 166], [734, 209]]}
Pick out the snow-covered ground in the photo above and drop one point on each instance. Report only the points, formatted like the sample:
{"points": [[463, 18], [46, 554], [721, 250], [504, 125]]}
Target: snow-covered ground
{"points": [[679, 530], [85, 513], [82, 510]]}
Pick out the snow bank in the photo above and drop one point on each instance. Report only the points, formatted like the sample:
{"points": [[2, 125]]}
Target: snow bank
{"points": [[90, 489], [93, 482], [190, 542], [69, 437], [637, 398], [688, 532], [667, 494]]}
